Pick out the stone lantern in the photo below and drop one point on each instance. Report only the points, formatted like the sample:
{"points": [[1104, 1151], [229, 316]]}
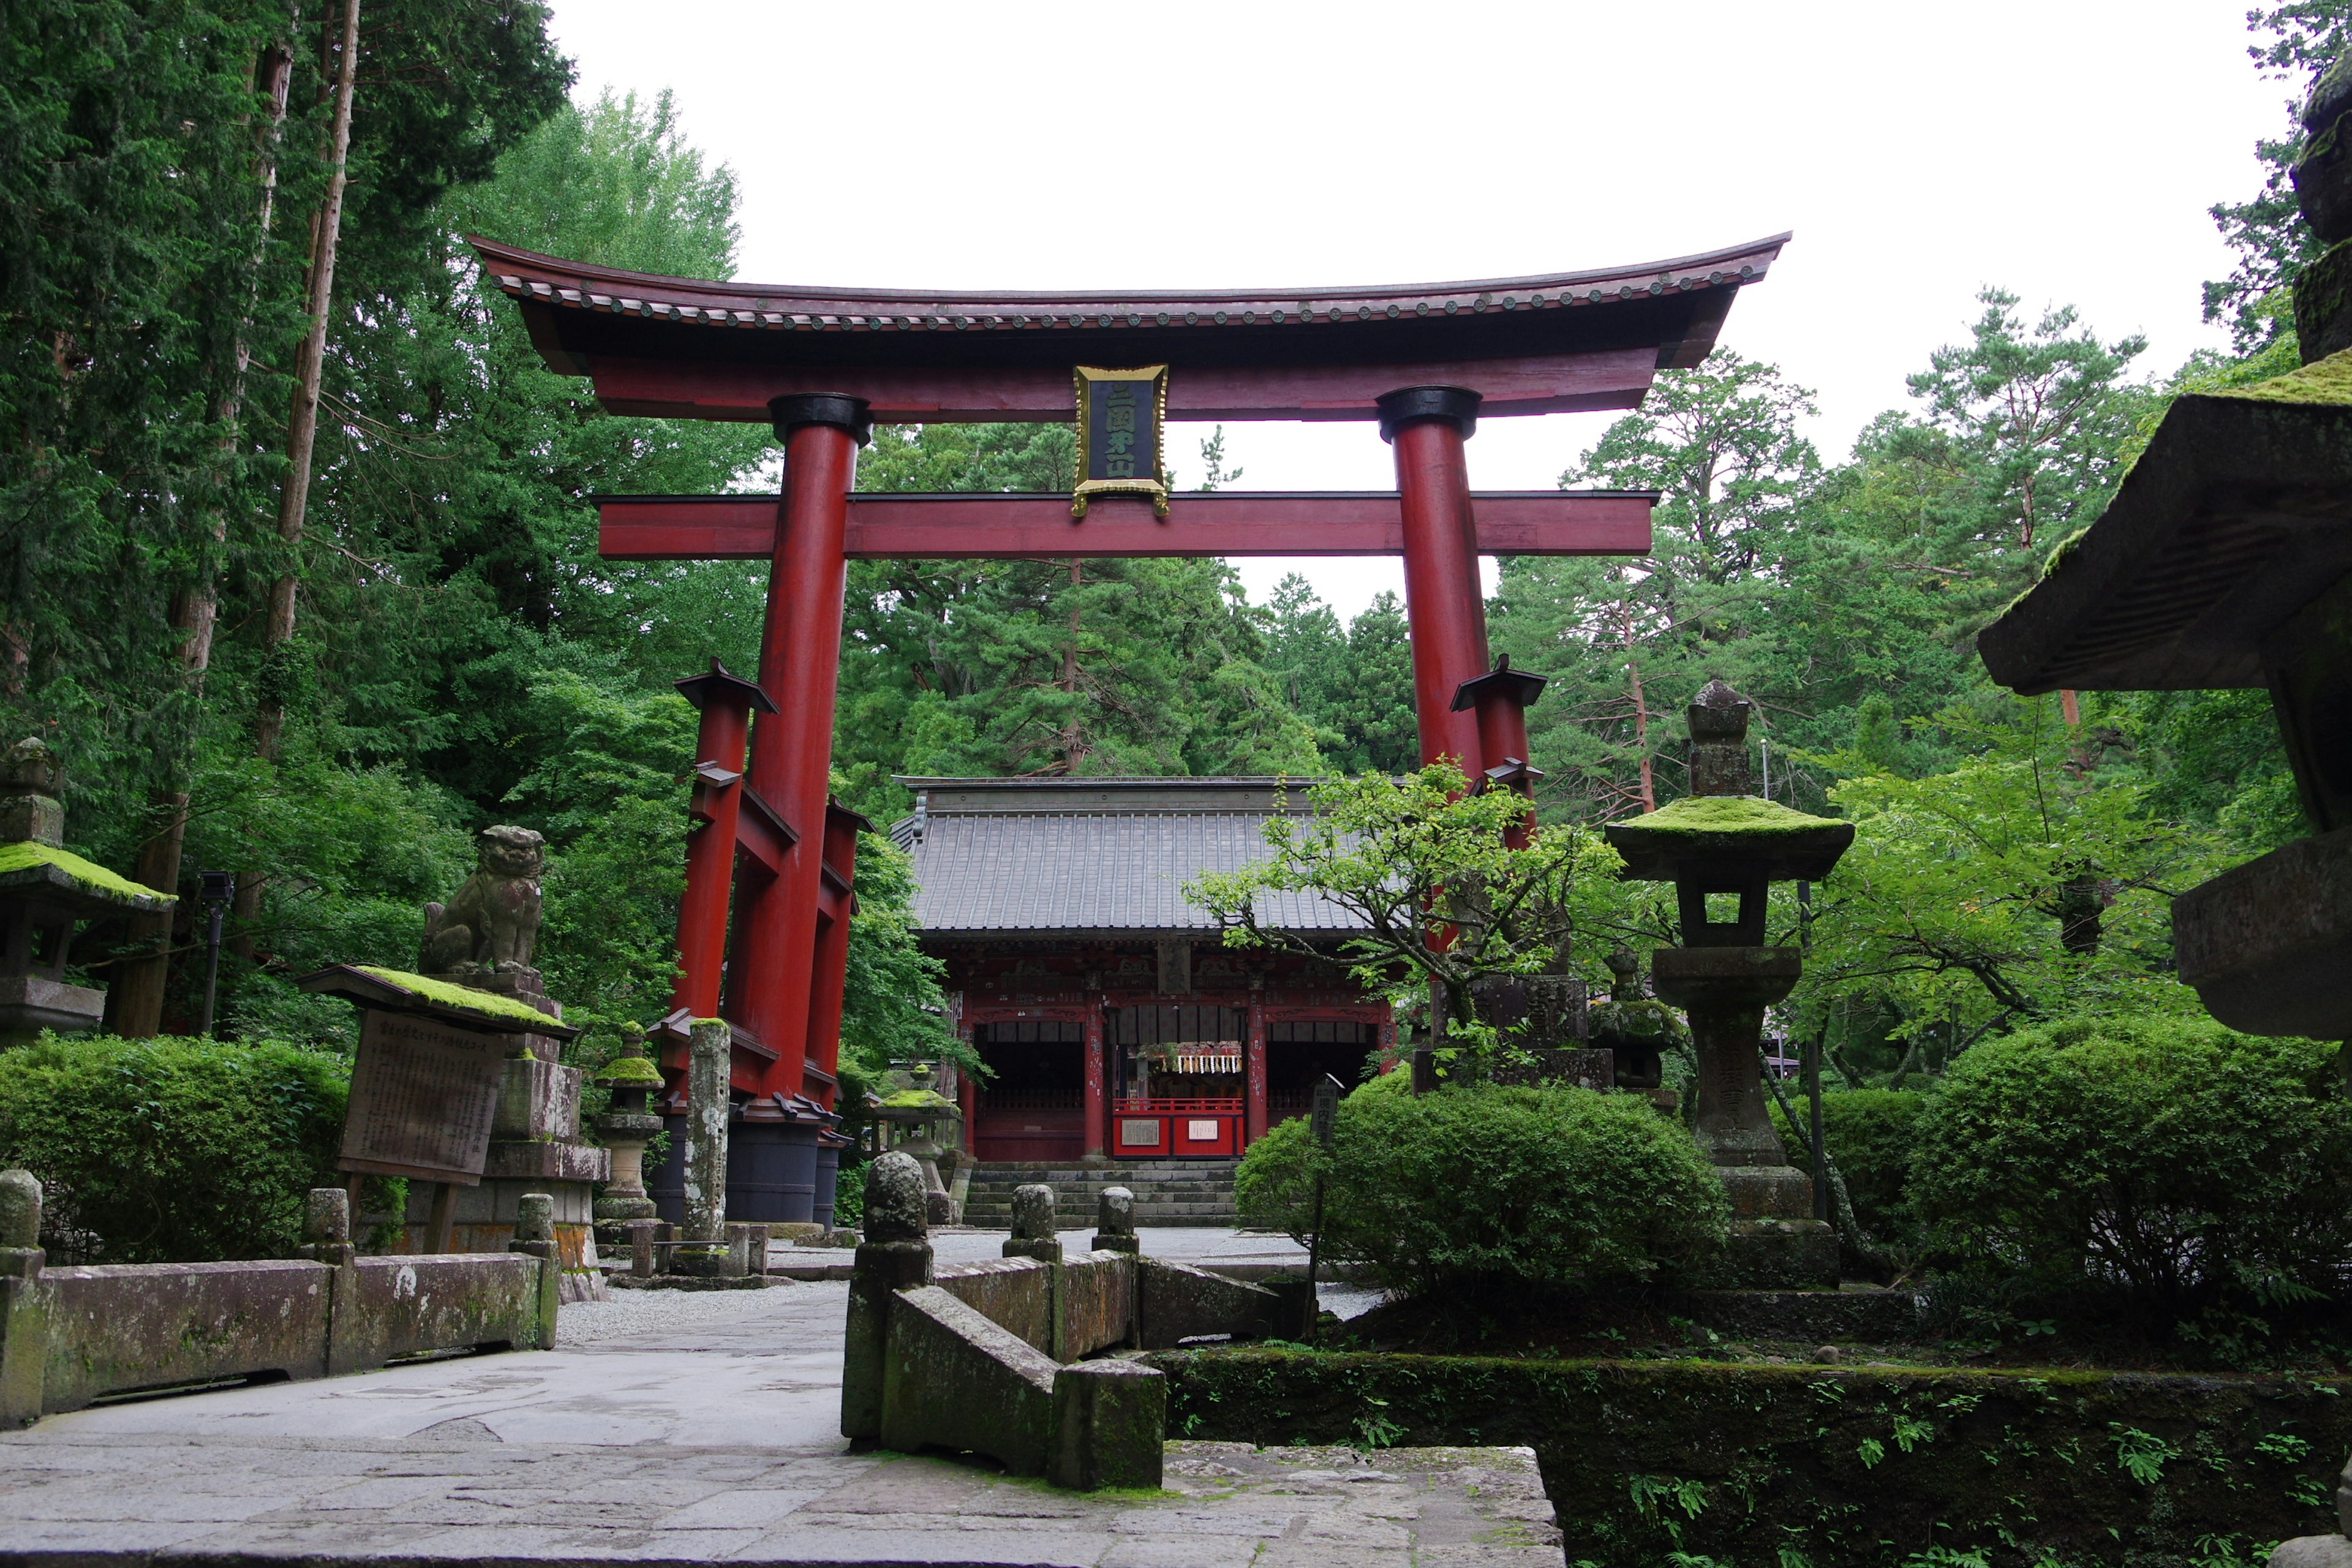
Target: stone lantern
{"points": [[1722, 843], [627, 1125], [45, 890], [923, 1123]]}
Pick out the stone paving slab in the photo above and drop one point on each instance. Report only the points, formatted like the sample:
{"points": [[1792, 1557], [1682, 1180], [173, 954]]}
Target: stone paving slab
{"points": [[676, 1428], [155, 1499]]}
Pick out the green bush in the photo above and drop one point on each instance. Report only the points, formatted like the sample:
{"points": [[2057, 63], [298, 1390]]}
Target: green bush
{"points": [[1871, 1134], [173, 1151], [1483, 1185], [2165, 1166]]}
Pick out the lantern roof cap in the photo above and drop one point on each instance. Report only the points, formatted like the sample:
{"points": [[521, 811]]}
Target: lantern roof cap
{"points": [[1698, 832]]}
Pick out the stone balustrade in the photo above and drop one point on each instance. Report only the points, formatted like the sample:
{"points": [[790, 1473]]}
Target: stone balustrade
{"points": [[70, 1336], [1007, 1358]]}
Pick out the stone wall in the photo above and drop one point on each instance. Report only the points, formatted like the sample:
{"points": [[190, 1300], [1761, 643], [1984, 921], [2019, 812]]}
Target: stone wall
{"points": [[1847, 1467]]}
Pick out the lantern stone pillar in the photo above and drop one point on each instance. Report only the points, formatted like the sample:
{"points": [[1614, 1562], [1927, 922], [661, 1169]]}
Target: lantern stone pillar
{"points": [[1722, 847]]}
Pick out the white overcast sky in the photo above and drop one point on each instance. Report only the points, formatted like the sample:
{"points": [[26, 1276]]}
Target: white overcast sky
{"points": [[2065, 149]]}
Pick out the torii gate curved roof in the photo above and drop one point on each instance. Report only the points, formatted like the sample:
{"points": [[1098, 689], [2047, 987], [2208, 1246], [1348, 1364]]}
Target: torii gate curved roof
{"points": [[1547, 343]]}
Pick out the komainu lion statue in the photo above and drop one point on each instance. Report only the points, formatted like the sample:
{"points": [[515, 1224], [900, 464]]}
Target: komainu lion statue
{"points": [[492, 923]]}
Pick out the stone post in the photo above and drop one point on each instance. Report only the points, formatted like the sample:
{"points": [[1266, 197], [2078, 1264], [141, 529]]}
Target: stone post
{"points": [[1032, 1225], [1115, 1222], [894, 1255], [707, 1107], [1110, 1421], [24, 1301], [327, 1228], [534, 1235]]}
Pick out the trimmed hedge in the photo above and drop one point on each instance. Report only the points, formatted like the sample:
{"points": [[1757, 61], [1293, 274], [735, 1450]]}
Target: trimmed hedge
{"points": [[1771, 1467], [2167, 1168], [1484, 1185], [171, 1150], [1871, 1134]]}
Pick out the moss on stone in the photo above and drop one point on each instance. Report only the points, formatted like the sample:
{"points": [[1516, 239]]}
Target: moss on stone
{"points": [[24, 854], [2326, 380], [918, 1100], [1713, 813], [623, 1070], [450, 995]]}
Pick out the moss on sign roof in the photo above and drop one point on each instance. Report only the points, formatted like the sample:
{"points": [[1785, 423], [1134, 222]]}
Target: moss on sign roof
{"points": [[450, 995], [88, 877]]}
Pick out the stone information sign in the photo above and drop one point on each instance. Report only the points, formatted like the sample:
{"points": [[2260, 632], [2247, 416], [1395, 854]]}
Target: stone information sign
{"points": [[423, 1094]]}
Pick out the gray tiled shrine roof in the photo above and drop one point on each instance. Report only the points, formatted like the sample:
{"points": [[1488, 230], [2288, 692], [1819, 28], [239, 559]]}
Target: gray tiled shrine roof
{"points": [[1054, 856]]}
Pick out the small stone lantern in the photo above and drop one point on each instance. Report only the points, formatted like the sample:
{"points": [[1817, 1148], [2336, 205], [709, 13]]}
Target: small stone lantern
{"points": [[45, 890], [923, 1123], [627, 1125], [1722, 842]]}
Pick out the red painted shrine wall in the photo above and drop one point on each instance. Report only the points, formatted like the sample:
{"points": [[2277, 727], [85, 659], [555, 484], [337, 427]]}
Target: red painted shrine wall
{"points": [[1047, 1018]]}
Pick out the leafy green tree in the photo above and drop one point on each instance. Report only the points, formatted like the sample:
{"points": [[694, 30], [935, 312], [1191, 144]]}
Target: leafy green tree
{"points": [[2267, 229], [1353, 685], [2039, 414], [1422, 867], [2017, 885], [1627, 642]]}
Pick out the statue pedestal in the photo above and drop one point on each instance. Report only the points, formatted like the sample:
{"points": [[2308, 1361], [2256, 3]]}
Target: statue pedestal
{"points": [[1776, 1244]]}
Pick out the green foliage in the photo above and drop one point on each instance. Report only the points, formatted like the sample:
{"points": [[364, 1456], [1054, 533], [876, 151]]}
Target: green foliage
{"points": [[1423, 866], [2169, 1168], [1485, 1186], [173, 1151], [1871, 1134]]}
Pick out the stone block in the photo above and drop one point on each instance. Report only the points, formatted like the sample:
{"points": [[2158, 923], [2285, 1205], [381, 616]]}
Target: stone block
{"points": [[1110, 1425], [39, 817], [2267, 944], [954, 1380], [1777, 1255], [1175, 1302], [1767, 1192], [795, 1232], [537, 1099], [1014, 1293], [882, 1270], [1096, 1305], [29, 1004], [390, 1307], [122, 1326], [521, 1160], [1873, 1315], [2313, 1552]]}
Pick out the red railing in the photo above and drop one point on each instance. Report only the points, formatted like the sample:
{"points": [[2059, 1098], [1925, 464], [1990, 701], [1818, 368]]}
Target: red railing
{"points": [[1232, 1107]]}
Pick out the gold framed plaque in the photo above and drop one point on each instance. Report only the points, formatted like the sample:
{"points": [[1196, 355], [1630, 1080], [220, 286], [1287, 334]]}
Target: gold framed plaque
{"points": [[1122, 414]]}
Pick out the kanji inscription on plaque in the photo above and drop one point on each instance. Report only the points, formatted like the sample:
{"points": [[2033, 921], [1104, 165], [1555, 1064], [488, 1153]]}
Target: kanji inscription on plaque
{"points": [[423, 1094]]}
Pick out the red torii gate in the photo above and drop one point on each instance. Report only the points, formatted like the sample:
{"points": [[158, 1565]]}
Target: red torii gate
{"points": [[821, 365]]}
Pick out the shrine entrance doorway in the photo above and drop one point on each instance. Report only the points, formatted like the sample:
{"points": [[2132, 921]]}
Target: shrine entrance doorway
{"points": [[1031, 1109], [1179, 1094]]}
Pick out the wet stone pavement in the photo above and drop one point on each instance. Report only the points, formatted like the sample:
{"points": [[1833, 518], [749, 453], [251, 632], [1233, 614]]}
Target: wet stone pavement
{"points": [[674, 1427]]}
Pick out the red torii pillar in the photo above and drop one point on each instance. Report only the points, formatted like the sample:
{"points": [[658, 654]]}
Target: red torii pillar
{"points": [[1426, 427], [775, 988]]}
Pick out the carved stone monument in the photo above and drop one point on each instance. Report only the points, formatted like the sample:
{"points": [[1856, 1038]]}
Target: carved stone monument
{"points": [[481, 992], [1722, 847], [46, 891]]}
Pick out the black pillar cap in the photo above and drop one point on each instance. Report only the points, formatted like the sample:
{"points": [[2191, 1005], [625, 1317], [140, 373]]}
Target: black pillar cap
{"points": [[700, 689], [1458, 405], [795, 409], [1516, 684]]}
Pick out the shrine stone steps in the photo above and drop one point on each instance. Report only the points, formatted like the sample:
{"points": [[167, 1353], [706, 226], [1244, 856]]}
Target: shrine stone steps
{"points": [[1167, 1192]]}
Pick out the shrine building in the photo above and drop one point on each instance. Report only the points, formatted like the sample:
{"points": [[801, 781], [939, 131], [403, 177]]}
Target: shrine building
{"points": [[1114, 1019]]}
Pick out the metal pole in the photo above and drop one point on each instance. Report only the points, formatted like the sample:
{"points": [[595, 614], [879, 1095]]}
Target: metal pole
{"points": [[1321, 1122], [220, 888]]}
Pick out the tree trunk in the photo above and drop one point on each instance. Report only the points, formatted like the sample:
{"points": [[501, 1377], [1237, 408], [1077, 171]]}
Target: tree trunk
{"points": [[135, 998], [302, 422]]}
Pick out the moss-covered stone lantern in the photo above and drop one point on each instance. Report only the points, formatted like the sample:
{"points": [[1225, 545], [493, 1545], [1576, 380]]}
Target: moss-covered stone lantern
{"points": [[919, 1121], [46, 891], [1722, 848], [627, 1125]]}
